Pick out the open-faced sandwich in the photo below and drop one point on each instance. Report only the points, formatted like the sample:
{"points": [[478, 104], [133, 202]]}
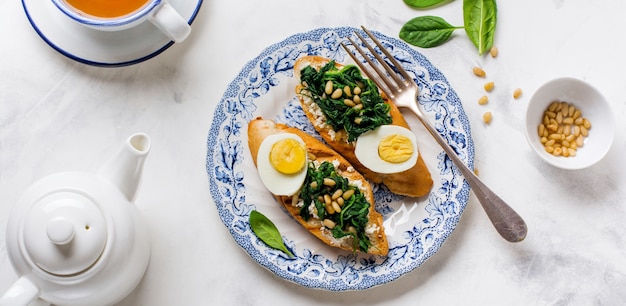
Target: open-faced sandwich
{"points": [[317, 186], [362, 125]]}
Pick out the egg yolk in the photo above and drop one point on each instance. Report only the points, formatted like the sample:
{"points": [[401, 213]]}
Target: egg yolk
{"points": [[288, 156], [395, 148]]}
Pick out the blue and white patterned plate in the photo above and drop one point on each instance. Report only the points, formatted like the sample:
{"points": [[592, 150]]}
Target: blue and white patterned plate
{"points": [[416, 228]]}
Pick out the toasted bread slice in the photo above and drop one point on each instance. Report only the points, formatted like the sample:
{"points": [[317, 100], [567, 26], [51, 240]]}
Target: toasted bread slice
{"points": [[259, 129], [414, 182]]}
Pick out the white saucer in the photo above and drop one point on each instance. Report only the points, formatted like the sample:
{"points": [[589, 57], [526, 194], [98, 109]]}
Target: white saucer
{"points": [[99, 48]]}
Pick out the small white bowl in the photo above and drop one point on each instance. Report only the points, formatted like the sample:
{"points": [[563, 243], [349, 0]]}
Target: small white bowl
{"points": [[592, 105]]}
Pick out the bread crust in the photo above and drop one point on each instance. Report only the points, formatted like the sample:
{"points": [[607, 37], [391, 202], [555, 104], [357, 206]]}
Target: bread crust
{"points": [[259, 129], [414, 182]]}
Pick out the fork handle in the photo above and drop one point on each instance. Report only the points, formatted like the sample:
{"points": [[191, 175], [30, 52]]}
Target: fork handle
{"points": [[506, 221]]}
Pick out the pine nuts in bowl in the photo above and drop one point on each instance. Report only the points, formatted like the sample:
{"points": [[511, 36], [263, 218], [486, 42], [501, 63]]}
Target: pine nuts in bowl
{"points": [[569, 124]]}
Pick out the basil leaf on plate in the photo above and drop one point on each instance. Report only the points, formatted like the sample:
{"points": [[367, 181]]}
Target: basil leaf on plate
{"points": [[479, 17], [267, 232], [421, 4], [427, 31]]}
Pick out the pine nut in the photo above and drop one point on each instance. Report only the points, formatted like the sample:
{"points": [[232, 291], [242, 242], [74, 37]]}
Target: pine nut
{"points": [[336, 207], [356, 98], [487, 117], [517, 93], [313, 185], [553, 127], [553, 106], [347, 91], [329, 223], [352, 229], [571, 110], [347, 194], [580, 141], [578, 121], [567, 130], [564, 108], [549, 149], [294, 199], [586, 123], [337, 93], [329, 87], [483, 100], [340, 201], [550, 143], [493, 52], [489, 86], [555, 136], [356, 90], [559, 117], [348, 102], [358, 107], [572, 152], [358, 120], [550, 114], [336, 194], [312, 156], [329, 182], [329, 209], [479, 72], [568, 120], [584, 131], [327, 199]]}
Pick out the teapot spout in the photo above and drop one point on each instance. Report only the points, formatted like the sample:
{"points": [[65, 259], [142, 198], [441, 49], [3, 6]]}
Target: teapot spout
{"points": [[125, 168]]}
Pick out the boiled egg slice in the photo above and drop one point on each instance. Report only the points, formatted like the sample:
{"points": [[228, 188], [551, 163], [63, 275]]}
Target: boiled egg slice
{"points": [[282, 163], [387, 149]]}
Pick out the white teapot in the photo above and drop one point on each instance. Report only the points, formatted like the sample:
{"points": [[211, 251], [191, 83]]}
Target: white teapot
{"points": [[76, 238]]}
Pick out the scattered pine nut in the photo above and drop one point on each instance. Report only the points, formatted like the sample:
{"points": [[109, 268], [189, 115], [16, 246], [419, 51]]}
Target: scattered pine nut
{"points": [[483, 100], [489, 86], [479, 72], [487, 117], [517, 93], [494, 51]]}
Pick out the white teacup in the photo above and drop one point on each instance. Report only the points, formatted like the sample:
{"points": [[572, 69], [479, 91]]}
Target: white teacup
{"points": [[115, 15]]}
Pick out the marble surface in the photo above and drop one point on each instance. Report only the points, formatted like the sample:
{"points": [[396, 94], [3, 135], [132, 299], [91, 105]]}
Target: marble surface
{"points": [[57, 114]]}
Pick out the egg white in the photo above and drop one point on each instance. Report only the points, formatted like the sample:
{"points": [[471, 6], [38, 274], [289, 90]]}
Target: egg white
{"points": [[366, 149], [276, 182]]}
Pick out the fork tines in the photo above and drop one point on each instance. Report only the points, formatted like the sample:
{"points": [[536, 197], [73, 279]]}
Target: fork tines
{"points": [[382, 78]]}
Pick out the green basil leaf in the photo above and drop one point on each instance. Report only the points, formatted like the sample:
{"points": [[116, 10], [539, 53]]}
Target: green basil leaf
{"points": [[421, 4], [479, 17], [267, 231], [427, 31]]}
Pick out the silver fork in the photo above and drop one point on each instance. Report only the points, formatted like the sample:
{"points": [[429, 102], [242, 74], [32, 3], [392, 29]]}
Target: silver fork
{"points": [[403, 91]]}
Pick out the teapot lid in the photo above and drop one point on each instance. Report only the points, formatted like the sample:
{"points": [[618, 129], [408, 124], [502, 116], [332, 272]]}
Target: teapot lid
{"points": [[65, 233]]}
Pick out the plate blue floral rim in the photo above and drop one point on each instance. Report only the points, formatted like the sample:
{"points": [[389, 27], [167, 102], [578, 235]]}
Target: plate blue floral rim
{"points": [[416, 230]]}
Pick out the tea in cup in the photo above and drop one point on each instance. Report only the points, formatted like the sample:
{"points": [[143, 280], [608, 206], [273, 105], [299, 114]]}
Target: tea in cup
{"points": [[115, 15]]}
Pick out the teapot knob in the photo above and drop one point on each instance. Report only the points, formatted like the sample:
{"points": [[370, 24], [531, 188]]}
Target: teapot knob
{"points": [[60, 231]]}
